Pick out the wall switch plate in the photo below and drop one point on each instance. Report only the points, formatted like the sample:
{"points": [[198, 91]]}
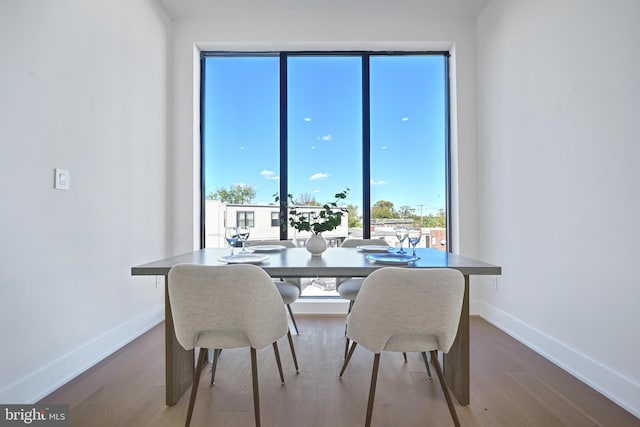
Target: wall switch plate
{"points": [[61, 181]]}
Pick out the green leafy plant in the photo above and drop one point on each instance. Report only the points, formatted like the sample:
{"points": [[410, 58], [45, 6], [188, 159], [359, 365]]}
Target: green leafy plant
{"points": [[328, 218]]}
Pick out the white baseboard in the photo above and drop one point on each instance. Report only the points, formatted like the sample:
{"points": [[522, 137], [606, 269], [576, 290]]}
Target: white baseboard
{"points": [[50, 377], [475, 308], [320, 306], [615, 386]]}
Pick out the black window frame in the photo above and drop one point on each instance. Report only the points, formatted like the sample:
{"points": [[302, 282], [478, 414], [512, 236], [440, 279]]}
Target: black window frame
{"points": [[366, 134]]}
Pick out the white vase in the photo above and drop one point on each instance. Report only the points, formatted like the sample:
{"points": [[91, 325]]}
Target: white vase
{"points": [[316, 244]]}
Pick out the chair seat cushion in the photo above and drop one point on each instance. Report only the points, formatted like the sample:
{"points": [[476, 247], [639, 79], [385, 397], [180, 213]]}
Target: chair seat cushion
{"points": [[288, 291], [349, 289]]}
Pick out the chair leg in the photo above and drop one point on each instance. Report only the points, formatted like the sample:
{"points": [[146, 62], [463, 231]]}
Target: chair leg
{"points": [[445, 389], [346, 344], [347, 359], [293, 352], [293, 319], [202, 359], [372, 389], [426, 364], [277, 353], [214, 364], [346, 348], [345, 325], [256, 395]]}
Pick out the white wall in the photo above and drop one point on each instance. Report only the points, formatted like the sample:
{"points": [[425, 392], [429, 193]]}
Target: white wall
{"points": [[307, 28], [558, 126], [83, 86]]}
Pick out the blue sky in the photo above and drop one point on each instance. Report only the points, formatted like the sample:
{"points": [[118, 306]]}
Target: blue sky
{"points": [[325, 127]]}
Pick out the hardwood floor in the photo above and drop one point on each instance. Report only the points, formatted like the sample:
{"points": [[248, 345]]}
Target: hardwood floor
{"points": [[510, 386]]}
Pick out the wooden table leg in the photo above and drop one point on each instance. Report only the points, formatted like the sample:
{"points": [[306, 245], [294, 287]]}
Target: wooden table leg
{"points": [[456, 362], [179, 363]]}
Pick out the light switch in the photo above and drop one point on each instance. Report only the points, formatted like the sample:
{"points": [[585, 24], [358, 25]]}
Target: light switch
{"points": [[61, 179]]}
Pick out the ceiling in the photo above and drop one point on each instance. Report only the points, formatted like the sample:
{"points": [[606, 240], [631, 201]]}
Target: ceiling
{"points": [[431, 9]]}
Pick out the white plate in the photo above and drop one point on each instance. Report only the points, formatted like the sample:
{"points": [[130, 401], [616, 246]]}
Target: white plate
{"points": [[392, 258], [268, 248], [374, 248], [243, 259]]}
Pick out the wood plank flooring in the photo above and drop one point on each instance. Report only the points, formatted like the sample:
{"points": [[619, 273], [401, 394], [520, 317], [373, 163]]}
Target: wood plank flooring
{"points": [[510, 386]]}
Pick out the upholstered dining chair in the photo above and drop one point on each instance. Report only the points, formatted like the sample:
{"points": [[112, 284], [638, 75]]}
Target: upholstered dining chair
{"points": [[223, 307], [406, 310], [289, 288], [348, 287]]}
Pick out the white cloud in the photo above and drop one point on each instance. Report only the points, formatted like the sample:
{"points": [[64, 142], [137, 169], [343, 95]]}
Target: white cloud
{"points": [[307, 119], [319, 175], [316, 191], [327, 138], [384, 147], [405, 119], [271, 175], [381, 182]]}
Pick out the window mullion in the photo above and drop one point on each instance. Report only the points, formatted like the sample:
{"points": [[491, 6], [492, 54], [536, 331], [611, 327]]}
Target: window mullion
{"points": [[366, 150], [284, 158]]}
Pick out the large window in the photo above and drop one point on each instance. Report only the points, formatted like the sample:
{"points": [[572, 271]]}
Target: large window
{"points": [[313, 124]]}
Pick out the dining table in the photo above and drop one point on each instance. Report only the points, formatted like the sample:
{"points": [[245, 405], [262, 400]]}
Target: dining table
{"points": [[334, 262]]}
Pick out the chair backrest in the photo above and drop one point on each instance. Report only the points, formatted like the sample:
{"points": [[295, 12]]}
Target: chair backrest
{"points": [[407, 305], [352, 243], [287, 243], [225, 306]]}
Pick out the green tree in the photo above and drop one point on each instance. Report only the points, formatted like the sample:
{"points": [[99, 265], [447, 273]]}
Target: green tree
{"points": [[438, 220], [237, 194], [354, 218], [406, 212], [383, 209], [306, 199]]}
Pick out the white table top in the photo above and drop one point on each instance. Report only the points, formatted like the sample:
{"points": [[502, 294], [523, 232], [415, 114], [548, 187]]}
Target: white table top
{"points": [[334, 262]]}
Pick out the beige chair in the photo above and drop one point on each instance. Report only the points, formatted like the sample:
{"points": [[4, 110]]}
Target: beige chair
{"points": [[225, 307], [289, 291], [291, 287], [407, 310], [348, 287]]}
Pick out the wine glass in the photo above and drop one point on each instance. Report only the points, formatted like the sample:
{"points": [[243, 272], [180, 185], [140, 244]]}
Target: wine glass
{"points": [[401, 234], [414, 235], [231, 235], [243, 235]]}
